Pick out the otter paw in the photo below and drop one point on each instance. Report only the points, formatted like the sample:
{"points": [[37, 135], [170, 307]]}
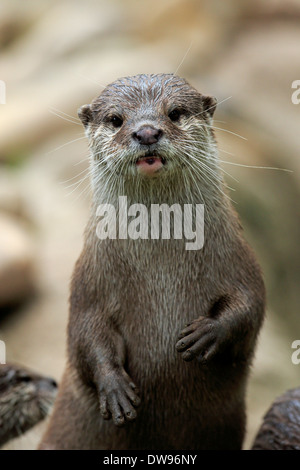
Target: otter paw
{"points": [[201, 339], [118, 397]]}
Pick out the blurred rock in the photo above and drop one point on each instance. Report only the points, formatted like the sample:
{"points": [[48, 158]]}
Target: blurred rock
{"points": [[281, 426], [16, 262], [10, 195]]}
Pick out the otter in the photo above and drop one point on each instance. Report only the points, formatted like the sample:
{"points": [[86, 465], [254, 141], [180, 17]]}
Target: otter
{"points": [[281, 425], [160, 338], [25, 399]]}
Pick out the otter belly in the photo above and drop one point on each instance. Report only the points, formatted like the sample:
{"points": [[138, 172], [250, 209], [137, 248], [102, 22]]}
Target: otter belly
{"points": [[184, 405]]}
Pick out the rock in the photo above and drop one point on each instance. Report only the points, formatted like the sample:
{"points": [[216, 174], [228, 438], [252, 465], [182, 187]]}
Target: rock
{"points": [[16, 262], [281, 426]]}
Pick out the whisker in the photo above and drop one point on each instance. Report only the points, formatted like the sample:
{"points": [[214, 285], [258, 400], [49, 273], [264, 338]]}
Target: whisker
{"points": [[65, 114], [89, 79], [257, 167], [226, 151], [210, 172], [225, 130], [86, 177], [77, 184], [218, 103], [65, 119], [82, 161], [63, 145], [74, 177], [184, 57]]}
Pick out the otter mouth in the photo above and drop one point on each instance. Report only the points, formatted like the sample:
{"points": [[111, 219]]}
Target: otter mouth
{"points": [[150, 164]]}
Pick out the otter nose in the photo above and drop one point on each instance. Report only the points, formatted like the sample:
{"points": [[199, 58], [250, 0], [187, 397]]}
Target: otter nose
{"points": [[147, 135]]}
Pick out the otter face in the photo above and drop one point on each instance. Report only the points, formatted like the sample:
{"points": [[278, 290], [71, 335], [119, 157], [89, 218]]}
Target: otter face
{"points": [[148, 125]]}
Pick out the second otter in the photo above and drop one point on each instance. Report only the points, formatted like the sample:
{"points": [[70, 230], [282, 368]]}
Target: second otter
{"points": [[160, 338]]}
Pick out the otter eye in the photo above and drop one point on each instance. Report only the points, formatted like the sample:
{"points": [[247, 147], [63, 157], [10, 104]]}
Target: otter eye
{"points": [[116, 121], [175, 115]]}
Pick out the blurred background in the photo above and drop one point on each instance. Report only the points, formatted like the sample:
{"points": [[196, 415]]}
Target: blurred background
{"points": [[56, 56]]}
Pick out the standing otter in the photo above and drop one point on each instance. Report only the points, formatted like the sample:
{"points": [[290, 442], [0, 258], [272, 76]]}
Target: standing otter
{"points": [[153, 323], [25, 399]]}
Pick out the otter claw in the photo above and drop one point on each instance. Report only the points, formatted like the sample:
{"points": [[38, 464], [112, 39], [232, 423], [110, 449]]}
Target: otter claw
{"points": [[201, 339], [118, 397]]}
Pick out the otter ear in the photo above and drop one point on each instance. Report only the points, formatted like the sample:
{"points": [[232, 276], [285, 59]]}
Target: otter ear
{"points": [[85, 114], [209, 104]]}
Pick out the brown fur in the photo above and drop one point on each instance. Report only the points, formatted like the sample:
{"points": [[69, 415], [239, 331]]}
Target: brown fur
{"points": [[132, 299]]}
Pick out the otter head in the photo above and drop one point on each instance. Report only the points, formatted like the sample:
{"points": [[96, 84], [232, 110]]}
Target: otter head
{"points": [[25, 399], [150, 125]]}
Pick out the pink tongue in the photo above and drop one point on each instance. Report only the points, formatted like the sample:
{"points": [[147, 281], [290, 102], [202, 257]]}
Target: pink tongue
{"points": [[149, 165]]}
